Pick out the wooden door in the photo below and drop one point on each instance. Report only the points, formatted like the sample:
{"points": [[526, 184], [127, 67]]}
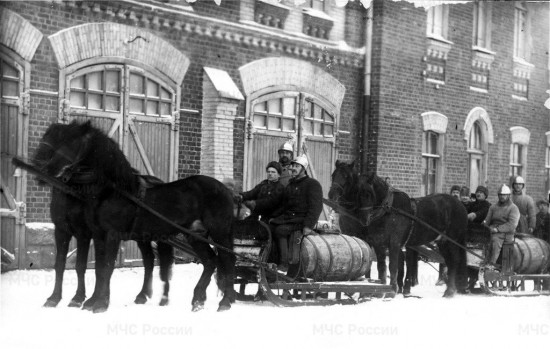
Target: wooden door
{"points": [[139, 112], [277, 117], [13, 138], [273, 121]]}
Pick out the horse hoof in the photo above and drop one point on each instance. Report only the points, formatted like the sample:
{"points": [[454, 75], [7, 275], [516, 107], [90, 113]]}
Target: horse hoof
{"points": [[448, 294], [197, 306], [75, 304], [140, 300], [224, 307], [164, 301], [51, 303], [98, 310]]}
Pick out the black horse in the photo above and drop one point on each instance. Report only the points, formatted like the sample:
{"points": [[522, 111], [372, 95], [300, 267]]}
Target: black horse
{"points": [[376, 204], [198, 203], [73, 216]]}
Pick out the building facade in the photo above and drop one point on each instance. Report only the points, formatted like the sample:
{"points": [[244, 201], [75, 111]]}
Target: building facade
{"points": [[429, 97]]}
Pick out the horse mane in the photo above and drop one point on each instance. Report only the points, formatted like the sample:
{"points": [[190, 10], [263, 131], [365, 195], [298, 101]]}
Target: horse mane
{"points": [[379, 186], [103, 154]]}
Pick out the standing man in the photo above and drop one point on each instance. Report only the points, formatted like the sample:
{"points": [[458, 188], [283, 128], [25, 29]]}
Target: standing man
{"points": [[502, 220], [526, 205], [286, 155], [302, 205]]}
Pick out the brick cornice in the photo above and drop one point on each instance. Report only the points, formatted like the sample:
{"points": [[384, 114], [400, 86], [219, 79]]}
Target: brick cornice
{"points": [[18, 34], [244, 34]]}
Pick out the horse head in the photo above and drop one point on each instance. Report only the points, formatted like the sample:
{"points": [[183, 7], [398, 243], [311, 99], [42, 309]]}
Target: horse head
{"points": [[372, 191], [66, 148], [344, 179], [60, 148]]}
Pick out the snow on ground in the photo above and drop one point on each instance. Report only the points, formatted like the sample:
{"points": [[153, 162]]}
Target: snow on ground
{"points": [[466, 321]]}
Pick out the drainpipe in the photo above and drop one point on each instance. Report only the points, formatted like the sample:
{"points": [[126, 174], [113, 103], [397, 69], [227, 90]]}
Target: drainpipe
{"points": [[367, 89]]}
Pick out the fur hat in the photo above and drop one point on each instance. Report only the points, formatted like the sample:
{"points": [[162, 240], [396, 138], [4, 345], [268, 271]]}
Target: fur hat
{"points": [[464, 191], [455, 187], [276, 165], [484, 190]]}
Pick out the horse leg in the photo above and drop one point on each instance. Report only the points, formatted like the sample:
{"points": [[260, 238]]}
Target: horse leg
{"points": [[166, 257], [381, 263], [401, 272], [62, 239], [111, 247], [148, 264], [411, 278], [99, 248], [82, 249], [450, 260], [208, 259], [226, 269], [394, 251]]}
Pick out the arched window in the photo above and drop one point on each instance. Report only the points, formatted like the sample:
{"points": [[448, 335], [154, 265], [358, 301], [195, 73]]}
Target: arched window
{"points": [[280, 116], [434, 126], [133, 106], [476, 155]]}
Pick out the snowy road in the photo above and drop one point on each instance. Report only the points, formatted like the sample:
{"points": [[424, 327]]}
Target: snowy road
{"points": [[428, 322]]}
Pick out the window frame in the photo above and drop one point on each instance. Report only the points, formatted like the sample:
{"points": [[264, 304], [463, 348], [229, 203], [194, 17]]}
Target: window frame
{"points": [[482, 24], [477, 152], [427, 158], [521, 37], [432, 25]]}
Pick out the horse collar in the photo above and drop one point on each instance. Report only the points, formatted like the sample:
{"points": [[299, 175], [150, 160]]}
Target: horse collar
{"points": [[385, 207]]}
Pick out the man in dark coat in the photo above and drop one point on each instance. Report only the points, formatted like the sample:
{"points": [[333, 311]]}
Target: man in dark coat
{"points": [[542, 227], [302, 205], [477, 210], [264, 199]]}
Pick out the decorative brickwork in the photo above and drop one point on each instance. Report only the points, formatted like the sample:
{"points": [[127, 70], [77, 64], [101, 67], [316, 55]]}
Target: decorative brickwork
{"points": [[114, 40], [18, 34], [279, 71]]}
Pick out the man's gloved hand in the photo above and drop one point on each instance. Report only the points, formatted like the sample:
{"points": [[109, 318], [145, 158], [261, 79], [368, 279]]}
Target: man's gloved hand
{"points": [[471, 216], [531, 230], [237, 198], [251, 204], [307, 231]]}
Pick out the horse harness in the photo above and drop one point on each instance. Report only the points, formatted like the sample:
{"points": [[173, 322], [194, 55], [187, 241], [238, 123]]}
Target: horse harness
{"points": [[387, 206]]}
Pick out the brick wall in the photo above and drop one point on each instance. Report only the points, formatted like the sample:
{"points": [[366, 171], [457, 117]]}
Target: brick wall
{"points": [[205, 43], [400, 96]]}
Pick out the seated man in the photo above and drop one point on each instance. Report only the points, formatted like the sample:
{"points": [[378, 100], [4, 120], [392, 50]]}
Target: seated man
{"points": [[477, 210], [502, 220], [302, 205], [266, 196], [542, 226]]}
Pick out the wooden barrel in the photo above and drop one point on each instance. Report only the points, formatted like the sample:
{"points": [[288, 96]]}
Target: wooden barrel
{"points": [[334, 257], [531, 255]]}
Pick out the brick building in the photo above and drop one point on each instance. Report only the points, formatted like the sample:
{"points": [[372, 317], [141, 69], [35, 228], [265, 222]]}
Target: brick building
{"points": [[198, 87]]}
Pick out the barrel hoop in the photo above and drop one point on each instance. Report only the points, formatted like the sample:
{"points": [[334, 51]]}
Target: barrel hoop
{"points": [[529, 252], [545, 255], [352, 254], [329, 253]]}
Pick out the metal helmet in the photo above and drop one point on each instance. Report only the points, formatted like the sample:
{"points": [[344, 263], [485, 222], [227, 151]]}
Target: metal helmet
{"points": [[504, 190], [287, 146], [519, 180], [301, 160]]}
